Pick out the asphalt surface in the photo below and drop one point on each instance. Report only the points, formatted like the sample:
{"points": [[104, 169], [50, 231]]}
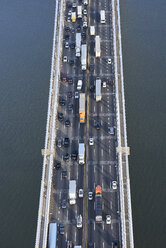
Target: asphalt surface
{"points": [[101, 162]]}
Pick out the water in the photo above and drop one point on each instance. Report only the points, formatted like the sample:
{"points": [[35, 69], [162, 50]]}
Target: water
{"points": [[26, 29]]}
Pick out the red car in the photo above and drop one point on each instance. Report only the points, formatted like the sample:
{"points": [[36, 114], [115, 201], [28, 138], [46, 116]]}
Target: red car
{"points": [[69, 94], [70, 81], [64, 78]]}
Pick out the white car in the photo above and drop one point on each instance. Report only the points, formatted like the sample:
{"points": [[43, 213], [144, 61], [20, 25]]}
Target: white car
{"points": [[114, 184], [85, 24], [90, 196], [76, 94], [109, 61], [65, 59], [81, 193], [69, 13], [91, 141], [85, 12], [108, 219], [104, 84]]}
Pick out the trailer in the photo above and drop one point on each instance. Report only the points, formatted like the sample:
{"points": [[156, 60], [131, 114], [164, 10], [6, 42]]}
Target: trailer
{"points": [[78, 44], [83, 56], [98, 89], [79, 11], [82, 107], [81, 153], [72, 192], [73, 16], [98, 204], [97, 46], [52, 238]]}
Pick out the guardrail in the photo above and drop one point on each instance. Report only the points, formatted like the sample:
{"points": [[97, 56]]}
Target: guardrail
{"points": [[46, 182]]}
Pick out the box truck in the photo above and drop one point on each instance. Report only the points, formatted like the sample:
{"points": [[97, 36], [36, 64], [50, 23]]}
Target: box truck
{"points": [[97, 46], [83, 56], [98, 204], [78, 44], [72, 192], [81, 153], [98, 89]]}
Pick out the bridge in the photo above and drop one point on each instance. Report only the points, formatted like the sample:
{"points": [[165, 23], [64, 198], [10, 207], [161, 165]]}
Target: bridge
{"points": [[106, 152]]}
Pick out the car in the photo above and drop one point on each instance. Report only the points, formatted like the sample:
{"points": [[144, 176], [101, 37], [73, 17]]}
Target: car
{"points": [[114, 184], [90, 245], [73, 31], [64, 203], [70, 106], [108, 219], [115, 244], [69, 94], [78, 28], [83, 34], [85, 24], [64, 77], [59, 143], [76, 94], [65, 59], [74, 155], [69, 244], [109, 61], [69, 19], [64, 173], [111, 130], [72, 45], [62, 101], [70, 80], [61, 229], [69, 13], [91, 67], [104, 84], [97, 126], [58, 165], [90, 196], [66, 142], [74, 5], [66, 44], [66, 157], [66, 36], [81, 193], [92, 88], [79, 221], [85, 12], [67, 28], [60, 117], [91, 141], [71, 61], [67, 123]]}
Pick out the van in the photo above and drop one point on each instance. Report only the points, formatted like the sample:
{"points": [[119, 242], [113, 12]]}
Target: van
{"points": [[102, 16]]}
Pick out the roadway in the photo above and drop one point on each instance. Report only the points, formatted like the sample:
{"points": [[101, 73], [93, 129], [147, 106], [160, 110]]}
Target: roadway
{"points": [[101, 161]]}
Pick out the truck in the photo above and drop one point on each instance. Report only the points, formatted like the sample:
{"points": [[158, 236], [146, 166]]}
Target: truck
{"points": [[79, 84], [52, 238], [97, 46], [73, 16], [102, 16], [92, 30], [98, 89], [98, 204], [72, 192], [78, 44], [78, 246], [79, 11], [85, 2], [79, 221], [82, 107], [81, 153], [83, 56]]}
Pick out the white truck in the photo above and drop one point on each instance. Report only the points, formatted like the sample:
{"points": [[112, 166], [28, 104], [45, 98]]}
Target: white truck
{"points": [[81, 153], [79, 221], [78, 246], [72, 192], [92, 30], [83, 56], [98, 89], [102, 16], [79, 84], [85, 2], [78, 44], [97, 46], [79, 11]]}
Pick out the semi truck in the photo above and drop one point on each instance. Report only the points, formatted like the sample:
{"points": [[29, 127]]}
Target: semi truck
{"points": [[83, 56], [79, 84], [78, 44], [82, 107], [98, 89], [72, 192], [79, 11], [97, 46], [102, 16], [73, 16], [98, 204], [81, 153], [52, 238]]}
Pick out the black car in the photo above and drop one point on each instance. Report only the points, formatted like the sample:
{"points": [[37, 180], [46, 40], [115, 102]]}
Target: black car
{"points": [[91, 67], [69, 4], [58, 165], [67, 123], [61, 229], [90, 245], [60, 117], [115, 244], [66, 157], [78, 28], [62, 101], [83, 34], [70, 106], [64, 203], [73, 30], [74, 156], [72, 45], [92, 88], [66, 142], [71, 61], [97, 125], [66, 36], [64, 173], [67, 29]]}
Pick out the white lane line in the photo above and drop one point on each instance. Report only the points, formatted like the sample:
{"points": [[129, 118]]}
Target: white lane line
{"points": [[94, 108], [102, 168], [94, 205], [102, 152], [101, 108], [69, 174], [67, 214], [66, 235], [94, 225], [103, 244], [111, 226], [75, 236], [111, 204], [103, 226], [110, 168], [77, 173]]}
